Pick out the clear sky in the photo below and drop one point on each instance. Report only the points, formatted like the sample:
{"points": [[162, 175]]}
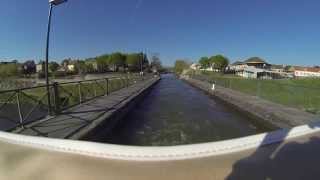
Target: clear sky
{"points": [[280, 31]]}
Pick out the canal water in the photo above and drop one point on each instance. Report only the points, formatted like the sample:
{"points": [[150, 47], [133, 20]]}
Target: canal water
{"points": [[175, 113]]}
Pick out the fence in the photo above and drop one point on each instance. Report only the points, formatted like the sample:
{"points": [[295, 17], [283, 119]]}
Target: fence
{"points": [[304, 97], [22, 106]]}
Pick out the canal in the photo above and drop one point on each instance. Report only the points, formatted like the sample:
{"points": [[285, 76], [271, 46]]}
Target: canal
{"points": [[175, 113]]}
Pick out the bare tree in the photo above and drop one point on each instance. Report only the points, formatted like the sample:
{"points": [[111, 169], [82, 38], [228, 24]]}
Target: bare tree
{"points": [[156, 64]]}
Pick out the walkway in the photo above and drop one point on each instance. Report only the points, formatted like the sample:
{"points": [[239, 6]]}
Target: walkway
{"points": [[85, 116]]}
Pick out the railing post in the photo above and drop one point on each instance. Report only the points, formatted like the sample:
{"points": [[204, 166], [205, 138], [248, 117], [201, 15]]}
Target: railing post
{"points": [[56, 95], [80, 94], [127, 81], [19, 108], [123, 83], [107, 86], [95, 88]]}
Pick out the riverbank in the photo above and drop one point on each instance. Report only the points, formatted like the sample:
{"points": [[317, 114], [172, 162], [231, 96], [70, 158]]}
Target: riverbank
{"points": [[271, 114], [302, 94]]}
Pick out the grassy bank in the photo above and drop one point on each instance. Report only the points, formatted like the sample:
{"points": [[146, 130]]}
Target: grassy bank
{"points": [[299, 93]]}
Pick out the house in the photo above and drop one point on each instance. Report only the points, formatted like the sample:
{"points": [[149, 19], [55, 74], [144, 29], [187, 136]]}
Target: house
{"points": [[251, 72], [68, 65], [258, 68], [236, 68], [278, 68], [256, 73], [257, 63], [40, 67], [238, 65], [301, 72], [71, 68], [210, 69], [195, 66]]}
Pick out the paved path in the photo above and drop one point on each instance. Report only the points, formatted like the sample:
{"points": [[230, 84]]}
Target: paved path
{"points": [[73, 120]]}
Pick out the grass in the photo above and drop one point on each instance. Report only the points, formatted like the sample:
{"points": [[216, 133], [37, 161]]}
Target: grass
{"points": [[303, 94]]}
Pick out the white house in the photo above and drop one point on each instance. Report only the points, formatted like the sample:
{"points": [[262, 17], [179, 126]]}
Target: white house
{"points": [[306, 72], [195, 66], [251, 72], [71, 67], [40, 67], [237, 66]]}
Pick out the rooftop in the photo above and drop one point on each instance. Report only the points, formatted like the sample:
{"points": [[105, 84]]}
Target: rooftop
{"points": [[309, 69], [238, 63], [255, 60]]}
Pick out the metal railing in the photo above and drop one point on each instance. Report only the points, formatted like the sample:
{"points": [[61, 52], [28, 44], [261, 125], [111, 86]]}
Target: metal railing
{"points": [[19, 107], [292, 93]]}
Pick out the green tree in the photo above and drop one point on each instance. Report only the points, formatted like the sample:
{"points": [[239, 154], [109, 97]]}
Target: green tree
{"points": [[80, 67], [102, 63], [117, 60], [220, 62], [180, 65], [133, 61], [205, 62], [53, 66], [90, 68]]}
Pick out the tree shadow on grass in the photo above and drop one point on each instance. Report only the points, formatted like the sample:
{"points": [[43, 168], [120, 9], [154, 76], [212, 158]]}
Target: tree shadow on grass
{"points": [[297, 159]]}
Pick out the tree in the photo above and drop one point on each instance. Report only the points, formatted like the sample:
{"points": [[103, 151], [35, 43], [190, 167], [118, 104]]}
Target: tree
{"points": [[133, 61], [29, 67], [180, 65], [80, 67], [219, 62], [53, 66], [145, 61], [102, 63], [205, 62], [117, 60], [89, 68], [156, 62], [66, 62]]}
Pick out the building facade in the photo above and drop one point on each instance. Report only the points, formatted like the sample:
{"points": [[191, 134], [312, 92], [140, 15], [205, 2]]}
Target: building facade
{"points": [[303, 72]]}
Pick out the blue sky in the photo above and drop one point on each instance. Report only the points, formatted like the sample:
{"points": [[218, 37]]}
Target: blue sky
{"points": [[280, 31]]}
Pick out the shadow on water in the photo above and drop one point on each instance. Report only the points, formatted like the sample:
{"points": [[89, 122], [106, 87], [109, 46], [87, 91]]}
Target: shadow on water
{"points": [[175, 113], [294, 160]]}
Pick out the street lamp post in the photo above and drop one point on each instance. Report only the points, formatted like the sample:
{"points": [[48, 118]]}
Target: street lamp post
{"points": [[141, 63], [52, 3]]}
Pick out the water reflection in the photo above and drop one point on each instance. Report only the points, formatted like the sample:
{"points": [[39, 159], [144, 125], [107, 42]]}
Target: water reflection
{"points": [[175, 113]]}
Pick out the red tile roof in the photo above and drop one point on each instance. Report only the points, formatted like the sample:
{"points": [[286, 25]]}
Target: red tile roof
{"points": [[309, 69]]}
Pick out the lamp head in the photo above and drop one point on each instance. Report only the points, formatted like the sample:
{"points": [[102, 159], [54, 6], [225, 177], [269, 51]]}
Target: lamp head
{"points": [[57, 2]]}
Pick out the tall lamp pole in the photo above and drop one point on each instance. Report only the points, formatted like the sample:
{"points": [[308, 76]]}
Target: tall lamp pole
{"points": [[52, 3], [141, 63]]}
